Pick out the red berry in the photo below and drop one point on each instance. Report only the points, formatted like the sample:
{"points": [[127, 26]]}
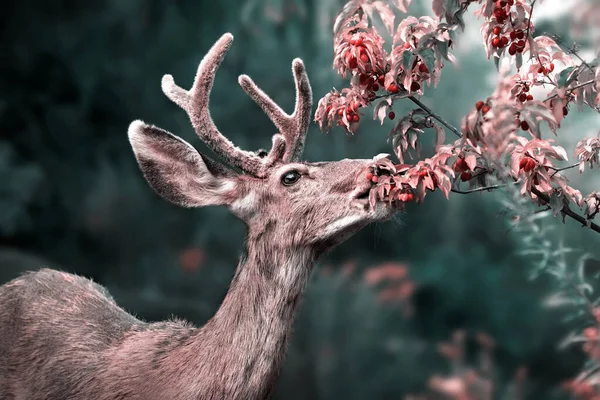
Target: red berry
{"points": [[526, 88], [524, 125], [340, 112], [485, 109], [529, 97], [527, 164], [565, 111], [500, 20], [512, 50], [460, 165], [479, 105], [496, 42], [355, 118], [551, 67], [522, 97], [374, 179], [513, 35], [352, 62], [391, 115], [363, 79], [497, 30], [541, 70], [364, 58], [381, 79], [359, 41], [520, 34], [393, 88], [415, 86], [423, 68], [369, 176], [521, 44], [410, 197], [375, 87], [504, 41], [466, 176]]}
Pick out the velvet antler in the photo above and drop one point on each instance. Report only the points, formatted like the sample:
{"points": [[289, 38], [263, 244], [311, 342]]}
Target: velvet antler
{"points": [[286, 146]]}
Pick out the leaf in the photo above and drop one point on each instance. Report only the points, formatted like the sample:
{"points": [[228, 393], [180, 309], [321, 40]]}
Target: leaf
{"points": [[565, 77], [407, 60], [471, 161], [440, 135], [386, 14], [401, 5], [380, 110], [519, 60], [428, 57], [380, 156], [343, 16], [442, 48]]}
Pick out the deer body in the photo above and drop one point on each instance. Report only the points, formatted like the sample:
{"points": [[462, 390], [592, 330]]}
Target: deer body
{"points": [[64, 337]]}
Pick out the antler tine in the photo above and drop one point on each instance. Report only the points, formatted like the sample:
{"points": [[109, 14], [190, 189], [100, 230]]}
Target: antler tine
{"points": [[292, 127], [195, 103]]}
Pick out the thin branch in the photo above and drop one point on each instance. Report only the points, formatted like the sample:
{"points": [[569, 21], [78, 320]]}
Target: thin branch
{"points": [[435, 116], [480, 189], [530, 18], [571, 90], [567, 211], [557, 170]]}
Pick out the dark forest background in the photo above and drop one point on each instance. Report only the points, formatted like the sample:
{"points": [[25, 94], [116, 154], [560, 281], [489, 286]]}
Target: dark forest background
{"points": [[74, 74]]}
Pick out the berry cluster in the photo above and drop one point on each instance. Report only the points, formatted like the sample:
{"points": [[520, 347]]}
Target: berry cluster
{"points": [[362, 51], [483, 107], [405, 195], [420, 72], [546, 70], [502, 10], [351, 112], [522, 92]]}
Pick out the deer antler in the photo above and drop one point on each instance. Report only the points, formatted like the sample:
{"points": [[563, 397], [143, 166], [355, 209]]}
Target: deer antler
{"points": [[292, 127], [195, 102]]}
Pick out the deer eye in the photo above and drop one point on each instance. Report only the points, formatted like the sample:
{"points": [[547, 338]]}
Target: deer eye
{"points": [[290, 177]]}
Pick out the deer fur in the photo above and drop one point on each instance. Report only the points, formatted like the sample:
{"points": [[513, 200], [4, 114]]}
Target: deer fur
{"points": [[63, 336]]}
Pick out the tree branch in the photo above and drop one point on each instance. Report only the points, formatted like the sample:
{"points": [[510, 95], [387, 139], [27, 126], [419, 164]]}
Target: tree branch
{"points": [[566, 210]]}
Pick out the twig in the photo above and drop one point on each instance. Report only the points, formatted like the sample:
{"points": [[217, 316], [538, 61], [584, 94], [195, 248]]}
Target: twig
{"points": [[530, 17], [435, 116], [480, 189], [557, 170], [571, 90], [567, 211]]}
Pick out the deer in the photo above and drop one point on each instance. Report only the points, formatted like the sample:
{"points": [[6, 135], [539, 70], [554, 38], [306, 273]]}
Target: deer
{"points": [[63, 336]]}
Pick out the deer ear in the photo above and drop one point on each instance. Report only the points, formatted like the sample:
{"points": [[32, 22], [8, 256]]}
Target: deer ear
{"points": [[176, 171]]}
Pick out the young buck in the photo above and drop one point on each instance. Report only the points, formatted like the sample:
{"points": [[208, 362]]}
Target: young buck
{"points": [[64, 337]]}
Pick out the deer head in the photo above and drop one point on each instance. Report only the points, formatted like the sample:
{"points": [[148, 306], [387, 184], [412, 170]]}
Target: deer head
{"points": [[301, 204]]}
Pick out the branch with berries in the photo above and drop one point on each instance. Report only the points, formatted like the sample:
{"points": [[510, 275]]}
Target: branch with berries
{"points": [[500, 141]]}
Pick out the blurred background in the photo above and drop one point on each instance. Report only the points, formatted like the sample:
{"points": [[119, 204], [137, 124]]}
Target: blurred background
{"points": [[378, 309]]}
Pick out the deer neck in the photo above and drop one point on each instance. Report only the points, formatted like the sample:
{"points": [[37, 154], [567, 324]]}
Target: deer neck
{"points": [[250, 331]]}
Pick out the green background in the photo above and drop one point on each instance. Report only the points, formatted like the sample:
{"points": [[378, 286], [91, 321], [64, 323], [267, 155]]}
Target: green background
{"points": [[74, 74]]}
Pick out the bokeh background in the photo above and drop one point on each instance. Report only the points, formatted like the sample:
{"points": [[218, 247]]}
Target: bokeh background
{"points": [[74, 74]]}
